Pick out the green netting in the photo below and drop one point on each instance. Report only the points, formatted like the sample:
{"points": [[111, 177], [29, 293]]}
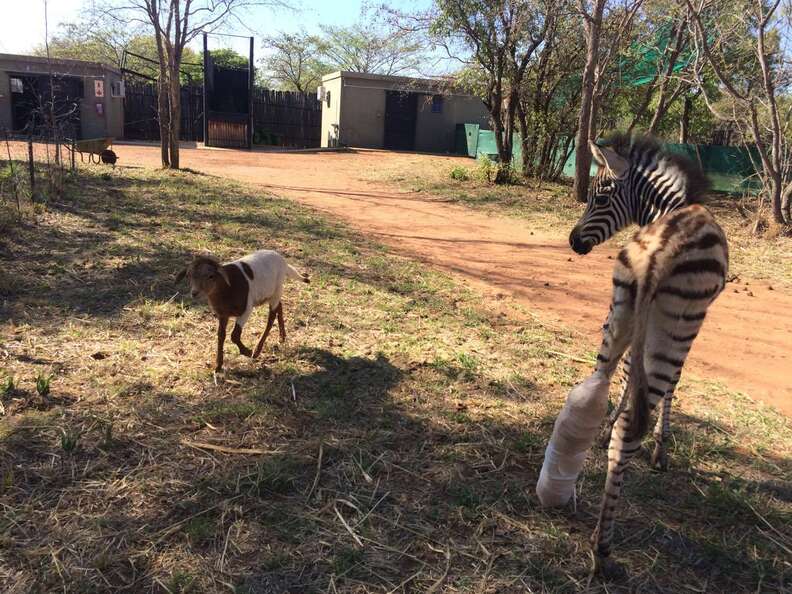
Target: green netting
{"points": [[487, 146], [730, 169], [643, 61]]}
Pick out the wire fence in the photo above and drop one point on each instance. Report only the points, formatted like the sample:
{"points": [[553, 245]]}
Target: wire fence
{"points": [[35, 168]]}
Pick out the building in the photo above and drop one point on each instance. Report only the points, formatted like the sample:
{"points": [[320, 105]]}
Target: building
{"points": [[88, 96], [395, 112]]}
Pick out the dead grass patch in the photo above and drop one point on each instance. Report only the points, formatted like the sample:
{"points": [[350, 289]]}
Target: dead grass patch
{"points": [[391, 445]]}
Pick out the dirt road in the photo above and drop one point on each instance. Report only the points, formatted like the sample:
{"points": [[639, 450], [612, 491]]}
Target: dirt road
{"points": [[746, 340]]}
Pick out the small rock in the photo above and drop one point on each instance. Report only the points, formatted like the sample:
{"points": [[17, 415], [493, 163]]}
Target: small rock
{"points": [[99, 355], [610, 257], [750, 294], [570, 260], [547, 284], [770, 287]]}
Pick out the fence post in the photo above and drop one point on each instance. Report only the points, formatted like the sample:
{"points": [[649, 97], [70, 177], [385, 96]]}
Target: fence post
{"points": [[32, 167]]}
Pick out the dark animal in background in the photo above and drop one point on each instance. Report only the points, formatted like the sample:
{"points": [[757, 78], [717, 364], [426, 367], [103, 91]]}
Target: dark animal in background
{"points": [[108, 157], [234, 289]]}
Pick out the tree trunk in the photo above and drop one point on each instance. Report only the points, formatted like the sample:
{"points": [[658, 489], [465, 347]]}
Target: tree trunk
{"points": [[175, 116], [776, 196], [592, 24], [684, 123], [527, 150], [163, 114]]}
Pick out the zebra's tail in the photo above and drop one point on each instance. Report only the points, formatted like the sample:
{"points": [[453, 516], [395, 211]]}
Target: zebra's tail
{"points": [[639, 384]]}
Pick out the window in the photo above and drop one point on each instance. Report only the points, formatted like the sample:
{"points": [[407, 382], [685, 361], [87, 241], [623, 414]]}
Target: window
{"points": [[16, 85], [117, 89], [437, 104]]}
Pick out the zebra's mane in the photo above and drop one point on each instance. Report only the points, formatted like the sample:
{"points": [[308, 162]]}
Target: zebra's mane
{"points": [[631, 146]]}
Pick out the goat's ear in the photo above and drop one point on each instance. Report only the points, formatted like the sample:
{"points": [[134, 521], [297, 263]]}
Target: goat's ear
{"points": [[181, 275], [616, 165], [224, 274]]}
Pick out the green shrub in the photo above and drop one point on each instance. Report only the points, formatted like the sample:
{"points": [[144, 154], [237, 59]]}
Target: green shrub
{"points": [[493, 172], [460, 173]]}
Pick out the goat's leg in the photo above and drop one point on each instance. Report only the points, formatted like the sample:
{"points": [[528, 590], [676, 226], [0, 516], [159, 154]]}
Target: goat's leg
{"points": [[261, 342], [221, 335], [281, 323], [236, 338]]}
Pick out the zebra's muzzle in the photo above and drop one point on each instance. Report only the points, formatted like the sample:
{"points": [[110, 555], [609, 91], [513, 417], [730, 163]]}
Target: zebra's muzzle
{"points": [[577, 243]]}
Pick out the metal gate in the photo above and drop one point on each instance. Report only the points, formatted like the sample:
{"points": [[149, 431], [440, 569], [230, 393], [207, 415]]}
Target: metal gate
{"points": [[401, 112], [228, 101]]}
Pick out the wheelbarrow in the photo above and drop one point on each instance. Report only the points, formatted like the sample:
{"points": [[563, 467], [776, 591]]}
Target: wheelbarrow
{"points": [[92, 146]]}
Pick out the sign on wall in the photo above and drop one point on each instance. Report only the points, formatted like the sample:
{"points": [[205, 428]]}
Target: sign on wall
{"points": [[99, 88]]}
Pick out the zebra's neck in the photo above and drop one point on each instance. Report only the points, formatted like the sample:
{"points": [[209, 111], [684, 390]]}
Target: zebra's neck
{"points": [[656, 192]]}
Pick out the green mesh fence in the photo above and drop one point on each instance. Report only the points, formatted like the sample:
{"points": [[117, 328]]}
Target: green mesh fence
{"points": [[731, 169]]}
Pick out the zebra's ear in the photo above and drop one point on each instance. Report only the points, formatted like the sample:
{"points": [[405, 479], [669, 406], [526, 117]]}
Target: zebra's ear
{"points": [[610, 160]]}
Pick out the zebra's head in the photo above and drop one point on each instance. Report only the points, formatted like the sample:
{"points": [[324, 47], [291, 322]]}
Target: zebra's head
{"points": [[606, 208]]}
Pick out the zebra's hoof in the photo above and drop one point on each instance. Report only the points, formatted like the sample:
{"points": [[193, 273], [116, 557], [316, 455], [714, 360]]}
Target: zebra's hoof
{"points": [[659, 459], [608, 569]]}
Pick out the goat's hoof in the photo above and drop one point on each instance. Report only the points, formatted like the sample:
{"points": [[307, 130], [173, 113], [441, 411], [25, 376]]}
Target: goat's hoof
{"points": [[608, 569], [245, 352]]}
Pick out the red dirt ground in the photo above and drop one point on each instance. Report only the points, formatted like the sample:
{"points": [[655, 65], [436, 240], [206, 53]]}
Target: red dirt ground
{"points": [[745, 342]]}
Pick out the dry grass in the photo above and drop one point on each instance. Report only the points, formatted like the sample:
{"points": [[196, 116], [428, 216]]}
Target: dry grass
{"points": [[391, 445], [551, 207]]}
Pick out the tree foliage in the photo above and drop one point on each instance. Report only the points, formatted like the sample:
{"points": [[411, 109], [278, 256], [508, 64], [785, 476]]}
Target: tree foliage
{"points": [[294, 61]]}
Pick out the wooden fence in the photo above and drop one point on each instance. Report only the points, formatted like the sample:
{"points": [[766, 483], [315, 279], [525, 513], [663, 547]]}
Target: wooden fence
{"points": [[286, 118], [140, 112], [282, 118]]}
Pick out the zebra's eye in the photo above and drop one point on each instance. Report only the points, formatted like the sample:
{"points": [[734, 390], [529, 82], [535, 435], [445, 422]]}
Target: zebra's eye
{"points": [[601, 199]]}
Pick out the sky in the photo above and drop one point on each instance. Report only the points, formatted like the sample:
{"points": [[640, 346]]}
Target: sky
{"points": [[23, 28]]}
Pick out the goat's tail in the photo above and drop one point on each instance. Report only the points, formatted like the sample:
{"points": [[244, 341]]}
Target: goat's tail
{"points": [[293, 273]]}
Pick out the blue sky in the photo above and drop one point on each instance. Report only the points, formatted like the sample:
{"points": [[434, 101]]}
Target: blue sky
{"points": [[23, 28]]}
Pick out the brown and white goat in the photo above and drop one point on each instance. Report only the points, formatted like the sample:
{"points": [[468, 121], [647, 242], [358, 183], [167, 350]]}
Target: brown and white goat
{"points": [[235, 288]]}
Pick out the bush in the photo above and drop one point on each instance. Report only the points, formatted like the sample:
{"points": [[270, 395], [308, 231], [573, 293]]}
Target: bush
{"points": [[493, 172], [460, 173]]}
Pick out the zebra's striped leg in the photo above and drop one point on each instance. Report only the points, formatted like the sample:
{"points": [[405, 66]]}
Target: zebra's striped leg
{"points": [[620, 405], [662, 432], [663, 362]]}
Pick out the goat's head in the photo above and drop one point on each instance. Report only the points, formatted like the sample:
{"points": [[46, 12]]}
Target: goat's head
{"points": [[204, 274]]}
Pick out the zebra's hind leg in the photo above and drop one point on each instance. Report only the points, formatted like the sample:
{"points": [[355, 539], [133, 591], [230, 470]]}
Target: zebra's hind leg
{"points": [[605, 436], [663, 362], [662, 431]]}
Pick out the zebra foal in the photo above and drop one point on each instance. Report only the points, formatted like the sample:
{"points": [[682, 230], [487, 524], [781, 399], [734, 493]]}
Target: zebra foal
{"points": [[664, 280]]}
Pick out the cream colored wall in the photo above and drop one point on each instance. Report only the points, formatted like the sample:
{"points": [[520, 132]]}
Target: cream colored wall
{"points": [[5, 101], [331, 114], [362, 114]]}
